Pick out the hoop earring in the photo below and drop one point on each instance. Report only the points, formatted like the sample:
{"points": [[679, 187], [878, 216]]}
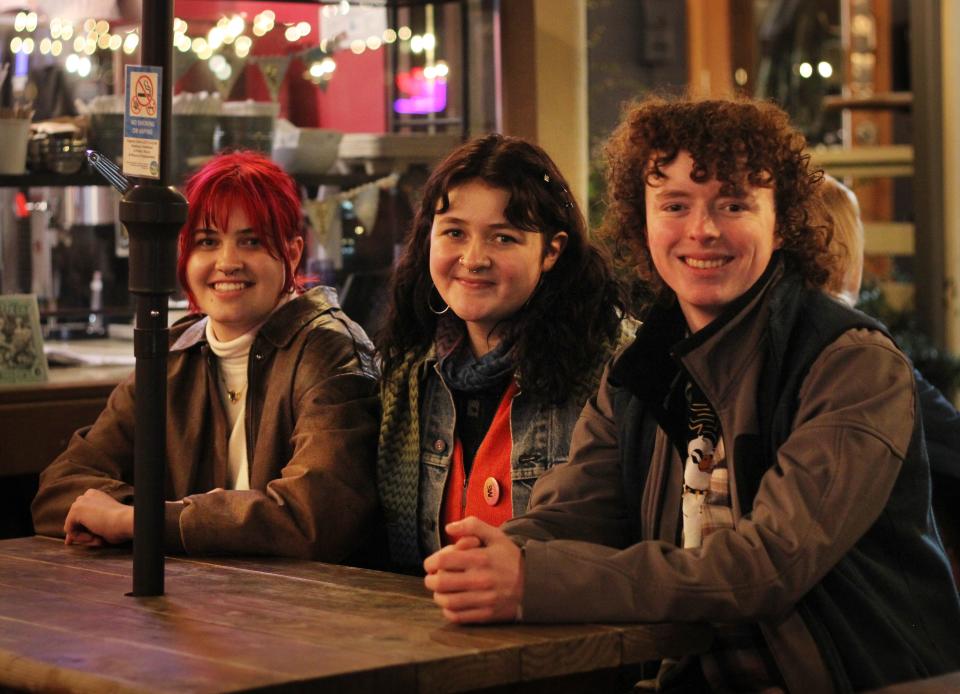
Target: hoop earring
{"points": [[446, 308]]}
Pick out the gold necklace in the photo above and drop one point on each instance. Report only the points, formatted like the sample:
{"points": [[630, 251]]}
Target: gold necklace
{"points": [[234, 395]]}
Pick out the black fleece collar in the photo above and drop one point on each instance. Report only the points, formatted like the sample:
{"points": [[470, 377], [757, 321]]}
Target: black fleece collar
{"points": [[649, 367]]}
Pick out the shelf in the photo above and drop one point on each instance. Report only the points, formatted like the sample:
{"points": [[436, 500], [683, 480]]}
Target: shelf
{"points": [[889, 238], [883, 101], [85, 178], [865, 162], [47, 178]]}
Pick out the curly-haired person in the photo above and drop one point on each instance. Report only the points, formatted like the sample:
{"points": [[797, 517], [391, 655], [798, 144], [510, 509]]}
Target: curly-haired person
{"points": [[753, 460], [503, 315]]}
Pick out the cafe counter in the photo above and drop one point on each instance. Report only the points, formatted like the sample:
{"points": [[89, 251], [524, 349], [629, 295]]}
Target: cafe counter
{"points": [[38, 419]]}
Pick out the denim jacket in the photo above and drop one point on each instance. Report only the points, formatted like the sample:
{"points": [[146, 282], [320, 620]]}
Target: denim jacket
{"points": [[540, 439]]}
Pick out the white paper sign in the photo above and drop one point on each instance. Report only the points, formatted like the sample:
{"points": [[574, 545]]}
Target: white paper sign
{"points": [[141, 121]]}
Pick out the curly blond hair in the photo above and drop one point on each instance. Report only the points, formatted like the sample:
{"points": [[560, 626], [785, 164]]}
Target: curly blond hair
{"points": [[835, 206]]}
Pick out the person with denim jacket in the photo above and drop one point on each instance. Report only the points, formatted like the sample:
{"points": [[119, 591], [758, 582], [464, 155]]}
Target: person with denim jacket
{"points": [[502, 317]]}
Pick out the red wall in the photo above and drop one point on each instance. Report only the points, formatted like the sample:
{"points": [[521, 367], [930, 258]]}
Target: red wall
{"points": [[355, 97]]}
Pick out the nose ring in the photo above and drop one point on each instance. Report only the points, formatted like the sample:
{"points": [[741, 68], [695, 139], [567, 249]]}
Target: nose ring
{"points": [[472, 270]]}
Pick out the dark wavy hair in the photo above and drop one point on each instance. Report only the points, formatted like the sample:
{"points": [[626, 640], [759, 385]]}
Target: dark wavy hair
{"points": [[264, 191], [741, 141], [578, 304]]}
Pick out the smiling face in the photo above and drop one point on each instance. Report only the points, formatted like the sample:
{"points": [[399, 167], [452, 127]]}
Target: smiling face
{"points": [[233, 277], [484, 268], [709, 246]]}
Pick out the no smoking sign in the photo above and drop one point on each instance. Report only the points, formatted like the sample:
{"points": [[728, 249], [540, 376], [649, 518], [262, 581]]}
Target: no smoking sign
{"points": [[141, 121]]}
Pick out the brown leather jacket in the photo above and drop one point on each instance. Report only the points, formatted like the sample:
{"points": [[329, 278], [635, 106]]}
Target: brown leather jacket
{"points": [[839, 488], [312, 414]]}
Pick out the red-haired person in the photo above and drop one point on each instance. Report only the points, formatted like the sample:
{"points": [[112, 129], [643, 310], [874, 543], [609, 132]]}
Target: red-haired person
{"points": [[272, 405]]}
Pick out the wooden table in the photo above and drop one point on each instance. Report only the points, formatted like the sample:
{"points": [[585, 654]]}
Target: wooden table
{"points": [[243, 624]]}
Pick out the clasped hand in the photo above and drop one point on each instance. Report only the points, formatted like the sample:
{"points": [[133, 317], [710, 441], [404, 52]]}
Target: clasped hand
{"points": [[478, 578], [96, 519]]}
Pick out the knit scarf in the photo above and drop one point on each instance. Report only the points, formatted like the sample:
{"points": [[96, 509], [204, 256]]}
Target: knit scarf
{"points": [[464, 372], [398, 458]]}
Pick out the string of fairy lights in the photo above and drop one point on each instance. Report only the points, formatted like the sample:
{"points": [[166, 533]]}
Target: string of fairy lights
{"points": [[82, 40]]}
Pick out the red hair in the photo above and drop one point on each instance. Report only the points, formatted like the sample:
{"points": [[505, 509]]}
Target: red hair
{"points": [[263, 190]]}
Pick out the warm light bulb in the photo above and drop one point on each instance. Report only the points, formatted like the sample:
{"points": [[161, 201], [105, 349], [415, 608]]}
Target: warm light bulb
{"points": [[132, 40], [215, 37], [236, 26]]}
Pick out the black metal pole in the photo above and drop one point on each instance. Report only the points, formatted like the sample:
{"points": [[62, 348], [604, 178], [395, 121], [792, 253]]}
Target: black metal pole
{"points": [[465, 69], [153, 213], [156, 33]]}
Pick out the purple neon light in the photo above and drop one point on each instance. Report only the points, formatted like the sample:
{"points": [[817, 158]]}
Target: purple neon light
{"points": [[422, 95]]}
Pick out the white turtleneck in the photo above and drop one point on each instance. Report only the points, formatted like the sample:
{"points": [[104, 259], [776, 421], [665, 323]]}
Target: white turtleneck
{"points": [[232, 357]]}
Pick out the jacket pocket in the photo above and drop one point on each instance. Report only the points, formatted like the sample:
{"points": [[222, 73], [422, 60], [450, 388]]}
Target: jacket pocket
{"points": [[528, 469]]}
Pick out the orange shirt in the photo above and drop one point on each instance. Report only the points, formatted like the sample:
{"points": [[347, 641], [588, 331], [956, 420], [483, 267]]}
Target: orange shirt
{"points": [[486, 494]]}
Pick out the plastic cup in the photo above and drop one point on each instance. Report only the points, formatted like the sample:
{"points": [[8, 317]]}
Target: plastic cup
{"points": [[14, 133]]}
